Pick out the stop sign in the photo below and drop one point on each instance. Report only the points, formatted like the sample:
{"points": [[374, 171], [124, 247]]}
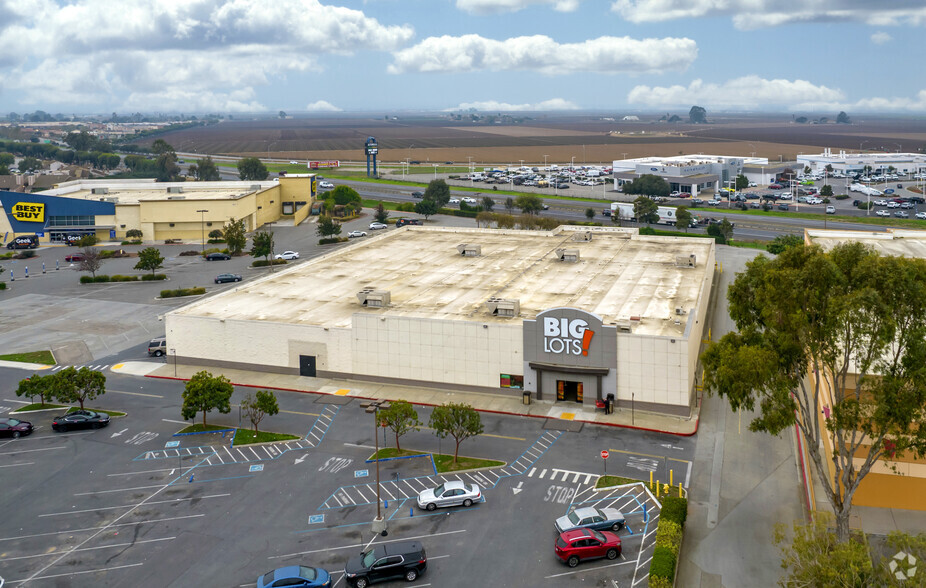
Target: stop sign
{"points": [[604, 454]]}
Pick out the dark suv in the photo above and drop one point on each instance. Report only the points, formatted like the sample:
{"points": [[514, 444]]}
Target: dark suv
{"points": [[407, 221], [404, 559]]}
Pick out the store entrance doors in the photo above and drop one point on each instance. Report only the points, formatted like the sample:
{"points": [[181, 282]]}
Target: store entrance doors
{"points": [[569, 391]]}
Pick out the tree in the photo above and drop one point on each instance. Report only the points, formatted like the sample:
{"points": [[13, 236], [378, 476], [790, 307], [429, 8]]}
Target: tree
{"points": [[682, 218], [235, 237], [29, 164], [645, 210], [828, 168], [487, 204], [326, 227], [741, 183], [826, 191], [206, 170], [149, 258], [721, 231], [282, 114], [216, 235], [813, 557], [91, 262], [262, 246], [401, 417], [426, 207], [205, 392], [133, 234], [439, 192], [263, 403], [87, 241], [847, 320], [252, 168], [344, 195], [7, 158], [842, 118], [697, 115], [529, 204], [166, 167], [159, 147], [459, 421], [381, 214], [648, 185], [72, 385], [509, 204], [36, 385], [782, 242], [590, 213]]}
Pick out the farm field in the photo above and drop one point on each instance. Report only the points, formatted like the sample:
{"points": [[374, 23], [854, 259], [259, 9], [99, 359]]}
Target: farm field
{"points": [[582, 139]]}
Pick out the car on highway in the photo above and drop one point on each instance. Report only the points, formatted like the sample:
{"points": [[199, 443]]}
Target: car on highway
{"points": [[325, 185], [80, 419], [453, 201], [830, 210], [14, 428], [450, 493], [417, 194], [590, 517], [469, 200], [377, 226], [353, 234], [223, 278], [217, 256], [295, 576], [386, 561], [882, 213], [287, 255], [74, 257], [579, 545], [293, 163]]}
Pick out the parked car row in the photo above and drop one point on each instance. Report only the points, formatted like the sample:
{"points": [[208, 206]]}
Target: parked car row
{"points": [[77, 419]]}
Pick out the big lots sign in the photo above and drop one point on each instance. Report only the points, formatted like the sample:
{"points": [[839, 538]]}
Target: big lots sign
{"points": [[569, 336]]}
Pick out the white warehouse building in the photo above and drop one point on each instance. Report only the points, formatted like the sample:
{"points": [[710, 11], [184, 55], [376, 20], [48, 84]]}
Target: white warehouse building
{"points": [[687, 173], [844, 162], [570, 315]]}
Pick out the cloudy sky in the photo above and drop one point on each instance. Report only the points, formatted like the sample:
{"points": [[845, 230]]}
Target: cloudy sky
{"points": [[100, 56]]}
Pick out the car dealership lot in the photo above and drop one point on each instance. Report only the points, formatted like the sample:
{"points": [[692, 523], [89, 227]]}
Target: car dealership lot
{"points": [[120, 506]]}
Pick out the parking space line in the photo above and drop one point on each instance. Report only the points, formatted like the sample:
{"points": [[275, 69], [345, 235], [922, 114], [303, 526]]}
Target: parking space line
{"points": [[133, 393], [622, 563], [75, 573], [33, 450], [72, 531], [356, 545], [138, 542], [386, 490], [172, 501], [142, 472], [118, 490], [13, 465]]}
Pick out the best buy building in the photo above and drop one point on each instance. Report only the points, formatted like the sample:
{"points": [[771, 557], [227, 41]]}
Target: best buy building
{"points": [[570, 315], [183, 210]]}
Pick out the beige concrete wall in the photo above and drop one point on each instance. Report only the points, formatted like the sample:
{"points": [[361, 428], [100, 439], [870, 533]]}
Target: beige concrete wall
{"points": [[697, 329], [301, 214], [653, 369], [297, 189], [128, 215], [268, 205], [155, 217]]}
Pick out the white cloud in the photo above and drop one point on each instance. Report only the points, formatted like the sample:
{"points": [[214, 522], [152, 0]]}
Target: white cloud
{"points": [[183, 100], [753, 14], [540, 53], [915, 104], [881, 38], [110, 51], [492, 105], [742, 93], [503, 6], [322, 106]]}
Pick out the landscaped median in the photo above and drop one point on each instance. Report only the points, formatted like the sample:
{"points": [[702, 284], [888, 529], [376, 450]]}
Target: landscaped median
{"points": [[442, 463], [241, 436], [43, 357], [669, 530]]}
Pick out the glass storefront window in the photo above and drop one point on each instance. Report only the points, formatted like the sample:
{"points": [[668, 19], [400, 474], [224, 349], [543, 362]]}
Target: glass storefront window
{"points": [[509, 381]]}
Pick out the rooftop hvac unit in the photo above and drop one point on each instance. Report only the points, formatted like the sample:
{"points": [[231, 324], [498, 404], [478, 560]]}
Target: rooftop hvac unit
{"points": [[679, 310], [504, 307], [255, 187], [686, 260], [568, 255], [175, 190], [176, 197], [582, 236], [467, 250], [624, 326], [100, 191], [373, 298]]}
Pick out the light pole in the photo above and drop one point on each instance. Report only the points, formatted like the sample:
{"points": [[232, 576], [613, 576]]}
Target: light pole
{"points": [[545, 162], [572, 163], [379, 525], [202, 224]]}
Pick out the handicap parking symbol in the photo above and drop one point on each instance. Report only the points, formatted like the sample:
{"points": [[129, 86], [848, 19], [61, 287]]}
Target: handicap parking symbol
{"points": [[361, 473], [256, 468], [172, 444], [315, 519]]}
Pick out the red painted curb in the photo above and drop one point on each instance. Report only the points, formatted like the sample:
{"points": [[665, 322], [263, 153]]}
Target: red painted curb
{"points": [[536, 416]]}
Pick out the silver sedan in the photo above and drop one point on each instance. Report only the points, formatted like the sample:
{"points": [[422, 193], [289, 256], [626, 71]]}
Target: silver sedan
{"points": [[451, 493]]}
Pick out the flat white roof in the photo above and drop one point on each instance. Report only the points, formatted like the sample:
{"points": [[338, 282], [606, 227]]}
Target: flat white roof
{"points": [[903, 243], [620, 275], [134, 191]]}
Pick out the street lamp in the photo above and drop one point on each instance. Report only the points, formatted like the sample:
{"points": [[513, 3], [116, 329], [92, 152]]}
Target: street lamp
{"points": [[202, 224], [379, 525], [545, 162]]}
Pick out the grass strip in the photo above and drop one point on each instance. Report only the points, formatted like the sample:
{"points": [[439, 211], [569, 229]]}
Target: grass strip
{"points": [[609, 481], [247, 436], [38, 406], [43, 357], [199, 428], [387, 452], [444, 463]]}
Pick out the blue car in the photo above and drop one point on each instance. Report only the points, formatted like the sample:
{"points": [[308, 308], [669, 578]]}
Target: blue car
{"points": [[295, 577]]}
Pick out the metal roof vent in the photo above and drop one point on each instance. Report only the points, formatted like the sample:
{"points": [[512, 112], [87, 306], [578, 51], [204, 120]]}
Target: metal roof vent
{"points": [[468, 250], [255, 187], [504, 307], [374, 298], [686, 260], [100, 191], [176, 197], [624, 326], [175, 190], [568, 255], [679, 311], [582, 236]]}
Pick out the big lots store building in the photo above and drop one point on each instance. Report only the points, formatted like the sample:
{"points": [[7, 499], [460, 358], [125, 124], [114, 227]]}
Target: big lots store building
{"points": [[569, 315]]}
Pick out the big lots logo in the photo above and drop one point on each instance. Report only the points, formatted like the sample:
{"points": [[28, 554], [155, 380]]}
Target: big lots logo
{"points": [[561, 335]]}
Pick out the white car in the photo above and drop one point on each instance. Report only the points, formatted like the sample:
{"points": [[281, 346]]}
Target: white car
{"points": [[325, 185], [453, 201], [883, 213], [880, 202], [293, 163], [469, 200], [357, 234], [893, 204], [377, 226], [287, 255], [450, 493], [920, 215]]}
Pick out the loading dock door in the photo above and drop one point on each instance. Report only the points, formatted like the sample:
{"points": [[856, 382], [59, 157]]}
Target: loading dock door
{"points": [[307, 365]]}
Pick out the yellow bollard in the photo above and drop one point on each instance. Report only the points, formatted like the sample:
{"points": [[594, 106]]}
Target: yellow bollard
{"points": [[651, 480], [679, 489], [671, 483]]}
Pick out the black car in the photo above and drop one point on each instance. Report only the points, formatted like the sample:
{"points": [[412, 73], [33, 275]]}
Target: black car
{"points": [[417, 194], [80, 419], [404, 559], [14, 428], [218, 257], [222, 278]]}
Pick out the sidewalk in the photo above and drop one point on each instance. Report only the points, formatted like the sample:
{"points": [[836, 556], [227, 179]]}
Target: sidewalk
{"points": [[486, 402]]}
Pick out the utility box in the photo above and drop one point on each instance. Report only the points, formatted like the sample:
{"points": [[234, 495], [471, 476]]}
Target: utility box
{"points": [[526, 397]]}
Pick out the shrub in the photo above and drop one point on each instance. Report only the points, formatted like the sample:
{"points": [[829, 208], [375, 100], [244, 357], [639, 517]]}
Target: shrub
{"points": [[151, 278], [329, 240], [25, 254], [134, 242], [865, 205], [86, 279], [2, 285], [659, 582], [674, 509], [663, 563], [264, 263], [187, 253], [171, 241], [669, 535], [406, 207], [118, 278], [841, 197], [101, 279], [182, 292], [463, 213], [216, 241]]}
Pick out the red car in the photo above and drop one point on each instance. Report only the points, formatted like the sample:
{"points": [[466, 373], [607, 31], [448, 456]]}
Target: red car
{"points": [[74, 257], [775, 187], [582, 544]]}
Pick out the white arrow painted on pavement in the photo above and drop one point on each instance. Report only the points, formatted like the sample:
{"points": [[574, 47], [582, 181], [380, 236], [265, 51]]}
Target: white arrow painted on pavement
{"points": [[670, 446], [119, 433], [518, 489], [301, 459]]}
